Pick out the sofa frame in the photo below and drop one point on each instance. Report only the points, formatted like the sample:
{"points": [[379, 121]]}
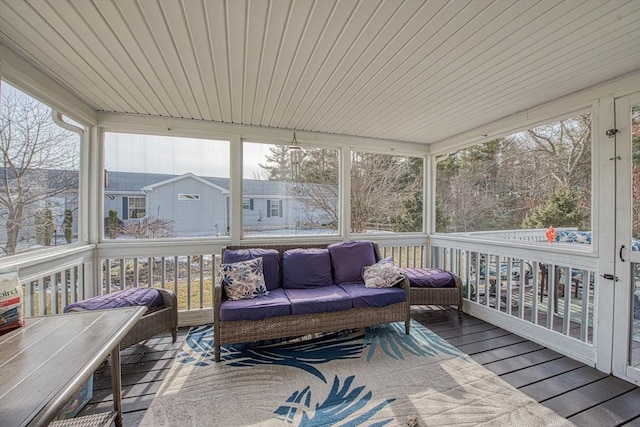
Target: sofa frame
{"points": [[295, 325]]}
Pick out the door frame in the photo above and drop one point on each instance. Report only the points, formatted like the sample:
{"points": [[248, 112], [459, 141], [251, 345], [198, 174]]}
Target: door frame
{"points": [[623, 302]]}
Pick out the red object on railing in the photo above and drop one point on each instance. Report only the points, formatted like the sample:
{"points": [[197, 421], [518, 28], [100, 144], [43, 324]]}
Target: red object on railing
{"points": [[551, 234]]}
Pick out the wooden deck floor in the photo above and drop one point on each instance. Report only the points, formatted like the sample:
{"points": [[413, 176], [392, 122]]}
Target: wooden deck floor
{"points": [[582, 394]]}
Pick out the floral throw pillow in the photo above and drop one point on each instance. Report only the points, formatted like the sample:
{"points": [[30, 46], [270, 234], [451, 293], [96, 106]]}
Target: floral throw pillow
{"points": [[382, 274], [244, 280]]}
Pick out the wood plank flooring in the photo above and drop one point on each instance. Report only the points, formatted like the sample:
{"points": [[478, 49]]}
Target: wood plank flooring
{"points": [[579, 393]]}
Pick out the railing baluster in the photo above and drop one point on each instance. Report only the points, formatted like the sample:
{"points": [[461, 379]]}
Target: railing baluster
{"points": [[534, 293], [521, 289], [123, 278], [551, 295], [42, 297], [150, 272], [175, 275], [566, 320], [201, 281], [28, 298], [136, 272], [163, 272], [509, 284], [188, 282]]}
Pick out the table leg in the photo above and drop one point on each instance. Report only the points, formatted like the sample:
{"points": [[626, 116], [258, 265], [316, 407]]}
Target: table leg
{"points": [[116, 384]]}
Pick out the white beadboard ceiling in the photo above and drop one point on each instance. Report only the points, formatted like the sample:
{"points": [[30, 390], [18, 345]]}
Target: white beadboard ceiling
{"points": [[412, 70]]}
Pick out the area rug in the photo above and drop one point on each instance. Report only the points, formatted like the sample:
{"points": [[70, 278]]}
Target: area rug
{"points": [[374, 377]]}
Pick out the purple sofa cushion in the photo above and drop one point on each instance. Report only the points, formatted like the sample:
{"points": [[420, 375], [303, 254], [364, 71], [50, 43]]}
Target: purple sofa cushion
{"points": [[428, 277], [349, 258], [127, 298], [323, 299], [374, 297], [306, 268], [270, 263], [273, 305]]}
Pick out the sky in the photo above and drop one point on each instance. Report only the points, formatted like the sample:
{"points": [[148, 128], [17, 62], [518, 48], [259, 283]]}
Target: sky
{"points": [[174, 155]]}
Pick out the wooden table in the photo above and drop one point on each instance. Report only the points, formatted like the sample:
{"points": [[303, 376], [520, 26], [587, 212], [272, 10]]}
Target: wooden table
{"points": [[44, 363]]}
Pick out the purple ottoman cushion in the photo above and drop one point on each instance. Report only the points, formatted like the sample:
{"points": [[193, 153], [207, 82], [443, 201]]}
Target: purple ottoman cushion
{"points": [[428, 278], [274, 304], [128, 298], [323, 299], [349, 258], [270, 263], [306, 268], [374, 297]]}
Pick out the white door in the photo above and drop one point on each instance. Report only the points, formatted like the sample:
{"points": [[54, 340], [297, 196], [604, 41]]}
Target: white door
{"points": [[626, 337]]}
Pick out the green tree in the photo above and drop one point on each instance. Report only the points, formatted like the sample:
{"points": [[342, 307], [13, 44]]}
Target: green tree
{"points": [[67, 225], [113, 224], [44, 226], [560, 210], [278, 163]]}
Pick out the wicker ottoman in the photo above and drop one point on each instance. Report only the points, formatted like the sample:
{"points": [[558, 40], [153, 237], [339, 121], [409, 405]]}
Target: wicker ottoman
{"points": [[433, 286], [161, 315]]}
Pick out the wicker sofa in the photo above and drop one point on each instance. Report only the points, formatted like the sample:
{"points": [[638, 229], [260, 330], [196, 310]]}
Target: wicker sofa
{"points": [[242, 330]]}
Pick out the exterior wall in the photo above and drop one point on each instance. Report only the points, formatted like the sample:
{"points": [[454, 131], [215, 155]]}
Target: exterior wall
{"points": [[294, 215], [189, 217]]}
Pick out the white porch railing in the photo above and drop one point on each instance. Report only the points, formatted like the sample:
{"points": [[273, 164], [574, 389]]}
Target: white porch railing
{"points": [[543, 292], [53, 280], [188, 268]]}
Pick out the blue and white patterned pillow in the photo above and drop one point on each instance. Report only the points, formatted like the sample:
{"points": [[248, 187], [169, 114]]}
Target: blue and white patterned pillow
{"points": [[244, 280], [382, 274]]}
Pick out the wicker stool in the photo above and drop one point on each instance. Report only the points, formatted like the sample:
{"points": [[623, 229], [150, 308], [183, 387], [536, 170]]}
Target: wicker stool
{"points": [[433, 286], [158, 318]]}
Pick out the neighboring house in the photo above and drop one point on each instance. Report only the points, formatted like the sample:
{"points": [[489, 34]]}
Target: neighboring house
{"points": [[199, 206]]}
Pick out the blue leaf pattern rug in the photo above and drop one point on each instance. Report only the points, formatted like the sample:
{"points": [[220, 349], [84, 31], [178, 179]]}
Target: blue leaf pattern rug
{"points": [[374, 377]]}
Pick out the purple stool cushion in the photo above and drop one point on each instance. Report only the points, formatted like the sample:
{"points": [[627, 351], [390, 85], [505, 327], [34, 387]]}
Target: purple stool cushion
{"points": [[270, 263], [323, 299], [428, 278], [349, 258], [374, 297], [274, 304], [306, 268], [127, 298]]}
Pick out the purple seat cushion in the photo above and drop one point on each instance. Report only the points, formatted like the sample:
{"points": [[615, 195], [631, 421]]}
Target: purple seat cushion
{"points": [[274, 304], [349, 258], [306, 268], [374, 297], [127, 298], [428, 278], [323, 299], [270, 263]]}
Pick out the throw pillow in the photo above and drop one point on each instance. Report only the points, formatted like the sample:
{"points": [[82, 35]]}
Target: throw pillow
{"points": [[244, 280], [382, 274]]}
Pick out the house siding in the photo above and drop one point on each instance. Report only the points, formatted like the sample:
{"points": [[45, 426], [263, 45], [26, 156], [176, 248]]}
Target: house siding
{"points": [[189, 217]]}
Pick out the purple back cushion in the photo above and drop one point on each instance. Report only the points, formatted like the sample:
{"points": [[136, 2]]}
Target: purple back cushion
{"points": [[306, 268], [270, 263], [349, 258]]}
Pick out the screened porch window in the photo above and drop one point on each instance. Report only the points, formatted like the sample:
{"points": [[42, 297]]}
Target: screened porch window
{"points": [[518, 186], [289, 190], [41, 175], [183, 185]]}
